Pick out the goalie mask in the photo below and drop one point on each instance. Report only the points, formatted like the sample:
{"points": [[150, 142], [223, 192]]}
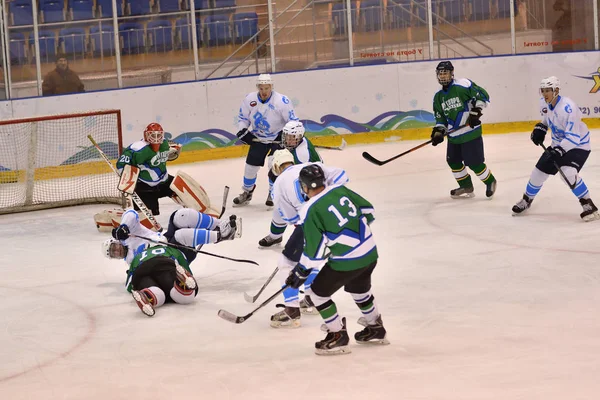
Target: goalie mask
{"points": [[445, 73], [112, 248], [281, 157], [154, 135], [549, 88], [293, 133]]}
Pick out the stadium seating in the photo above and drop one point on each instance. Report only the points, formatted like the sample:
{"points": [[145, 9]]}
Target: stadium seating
{"points": [[225, 6], [218, 30], [453, 10], [132, 37], [81, 9], [47, 41], [104, 8], [245, 25], [73, 41], [339, 17], [160, 35], [169, 6], [372, 15], [102, 39], [183, 33], [399, 13], [21, 12], [17, 48], [138, 7], [52, 11]]}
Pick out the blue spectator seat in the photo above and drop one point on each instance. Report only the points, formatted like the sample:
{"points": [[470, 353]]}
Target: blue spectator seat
{"points": [[453, 10], [21, 12], [138, 7], [218, 30], [104, 8], [160, 35], [132, 34], [184, 33], [52, 10], [47, 40], [504, 8], [73, 41], [169, 6], [225, 6], [102, 39], [372, 15], [480, 9], [419, 17], [17, 48], [245, 25], [81, 9], [339, 18], [201, 5]]}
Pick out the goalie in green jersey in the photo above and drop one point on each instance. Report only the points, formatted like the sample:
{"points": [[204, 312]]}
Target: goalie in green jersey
{"points": [[457, 106]]}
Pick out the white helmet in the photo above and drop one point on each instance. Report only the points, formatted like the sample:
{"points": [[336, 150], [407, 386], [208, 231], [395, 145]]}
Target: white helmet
{"points": [[292, 135], [109, 246], [550, 83], [264, 79], [281, 157]]}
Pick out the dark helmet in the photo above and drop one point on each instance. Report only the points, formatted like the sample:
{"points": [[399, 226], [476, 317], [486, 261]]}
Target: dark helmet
{"points": [[443, 67], [312, 177]]}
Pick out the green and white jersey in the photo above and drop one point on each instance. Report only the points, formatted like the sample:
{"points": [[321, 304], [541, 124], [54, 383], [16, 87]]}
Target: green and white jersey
{"points": [[451, 108], [152, 165], [155, 251], [337, 221], [305, 152]]}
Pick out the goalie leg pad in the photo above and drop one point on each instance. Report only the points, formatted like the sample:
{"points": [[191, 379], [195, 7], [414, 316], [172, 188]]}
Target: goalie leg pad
{"points": [[190, 192], [108, 219]]}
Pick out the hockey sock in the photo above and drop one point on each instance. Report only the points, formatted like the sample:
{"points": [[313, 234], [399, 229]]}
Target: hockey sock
{"points": [[483, 173], [461, 175], [156, 295], [308, 282], [277, 230], [250, 173], [194, 237], [328, 311], [366, 303], [188, 218], [536, 181], [580, 190], [182, 296], [290, 297]]}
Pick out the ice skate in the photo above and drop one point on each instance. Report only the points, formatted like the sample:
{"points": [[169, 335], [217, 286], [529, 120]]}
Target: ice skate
{"points": [[307, 307], [590, 211], [523, 205], [185, 279], [334, 343], [288, 318], [490, 189], [144, 301], [269, 241], [244, 198], [372, 334], [269, 201], [229, 229], [462, 193]]}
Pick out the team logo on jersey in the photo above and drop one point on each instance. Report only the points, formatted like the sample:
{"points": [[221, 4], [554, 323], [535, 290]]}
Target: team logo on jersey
{"points": [[252, 104], [568, 109], [594, 76], [271, 106], [285, 100], [159, 158]]}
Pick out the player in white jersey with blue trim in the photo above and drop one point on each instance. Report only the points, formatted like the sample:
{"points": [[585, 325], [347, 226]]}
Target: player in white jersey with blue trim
{"points": [[289, 199], [569, 150], [262, 116]]}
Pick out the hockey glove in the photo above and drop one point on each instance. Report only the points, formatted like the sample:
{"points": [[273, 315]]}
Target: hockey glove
{"points": [[437, 135], [245, 136], [539, 133], [474, 116], [297, 277], [556, 153], [121, 233]]}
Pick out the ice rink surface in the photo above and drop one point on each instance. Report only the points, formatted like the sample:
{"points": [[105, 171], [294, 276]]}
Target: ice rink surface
{"points": [[478, 304]]}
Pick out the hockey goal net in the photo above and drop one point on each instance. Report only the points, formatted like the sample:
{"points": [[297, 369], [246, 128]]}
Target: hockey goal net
{"points": [[49, 161]]}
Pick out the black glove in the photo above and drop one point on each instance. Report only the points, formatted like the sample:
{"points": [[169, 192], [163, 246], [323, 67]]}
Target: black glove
{"points": [[121, 233], [555, 152], [539, 133], [246, 136], [437, 135], [297, 277], [474, 116]]}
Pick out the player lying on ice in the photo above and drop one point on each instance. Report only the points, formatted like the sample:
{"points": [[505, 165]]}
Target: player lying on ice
{"points": [[159, 273]]}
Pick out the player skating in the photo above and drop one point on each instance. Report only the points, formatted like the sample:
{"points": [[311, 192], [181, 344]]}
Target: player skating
{"points": [[303, 151], [569, 150], [459, 104], [288, 198], [336, 233], [262, 116]]}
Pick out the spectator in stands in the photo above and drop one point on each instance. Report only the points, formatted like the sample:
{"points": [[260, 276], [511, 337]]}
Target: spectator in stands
{"points": [[562, 31], [61, 80]]}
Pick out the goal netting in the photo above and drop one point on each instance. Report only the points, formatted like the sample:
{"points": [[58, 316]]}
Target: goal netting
{"points": [[49, 161]]}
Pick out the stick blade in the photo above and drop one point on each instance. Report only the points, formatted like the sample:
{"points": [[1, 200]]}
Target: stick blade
{"points": [[371, 159], [249, 299], [227, 316]]}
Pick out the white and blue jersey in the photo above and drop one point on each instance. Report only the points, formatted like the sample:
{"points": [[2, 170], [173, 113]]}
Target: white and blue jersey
{"points": [[265, 119], [564, 121], [136, 245]]}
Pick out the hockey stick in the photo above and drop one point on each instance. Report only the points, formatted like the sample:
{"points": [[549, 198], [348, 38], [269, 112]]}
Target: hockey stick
{"points": [[560, 170], [375, 161], [227, 316], [134, 195], [340, 147], [182, 247], [252, 299], [224, 206]]}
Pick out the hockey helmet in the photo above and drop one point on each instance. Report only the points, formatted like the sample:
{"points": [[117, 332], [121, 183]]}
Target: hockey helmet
{"points": [[445, 73], [311, 177], [154, 135], [264, 79], [553, 83], [281, 157], [293, 133], [112, 248]]}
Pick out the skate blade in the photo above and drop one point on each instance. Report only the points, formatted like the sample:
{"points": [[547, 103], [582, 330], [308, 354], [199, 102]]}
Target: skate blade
{"points": [[591, 217], [333, 352], [145, 307], [309, 311], [463, 196], [238, 229], [294, 324], [381, 342]]}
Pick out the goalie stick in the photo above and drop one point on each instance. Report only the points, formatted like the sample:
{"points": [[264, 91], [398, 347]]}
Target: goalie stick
{"points": [[182, 247], [560, 170], [252, 299], [227, 316], [134, 195], [375, 161]]}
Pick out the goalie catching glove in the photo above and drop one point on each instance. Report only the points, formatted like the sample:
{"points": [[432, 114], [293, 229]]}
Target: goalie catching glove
{"points": [[174, 150]]}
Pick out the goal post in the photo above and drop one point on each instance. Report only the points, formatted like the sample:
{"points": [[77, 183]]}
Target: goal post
{"points": [[48, 161]]}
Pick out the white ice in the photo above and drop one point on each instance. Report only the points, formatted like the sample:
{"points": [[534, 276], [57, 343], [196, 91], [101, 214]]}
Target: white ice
{"points": [[478, 304]]}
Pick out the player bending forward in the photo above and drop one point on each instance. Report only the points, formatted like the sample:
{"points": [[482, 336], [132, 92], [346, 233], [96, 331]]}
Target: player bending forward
{"points": [[459, 103], [303, 151], [289, 199], [158, 273], [337, 219], [569, 150]]}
